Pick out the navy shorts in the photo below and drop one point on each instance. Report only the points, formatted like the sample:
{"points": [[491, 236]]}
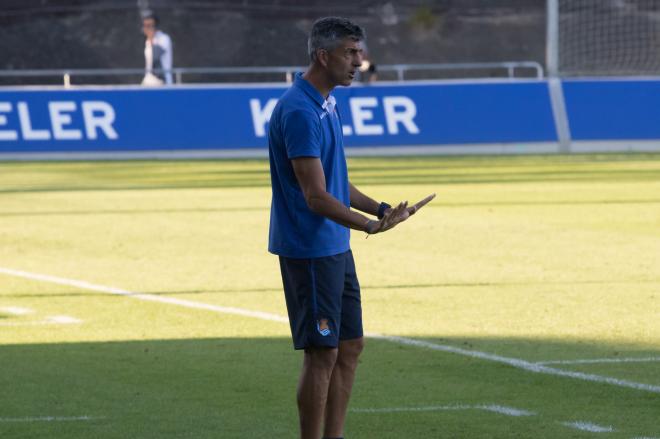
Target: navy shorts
{"points": [[322, 299]]}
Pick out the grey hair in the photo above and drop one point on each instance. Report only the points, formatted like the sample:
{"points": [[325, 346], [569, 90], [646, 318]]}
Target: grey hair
{"points": [[328, 32]]}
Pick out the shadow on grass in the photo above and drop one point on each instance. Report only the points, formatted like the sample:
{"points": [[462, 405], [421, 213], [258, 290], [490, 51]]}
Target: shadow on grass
{"points": [[438, 205], [244, 388]]}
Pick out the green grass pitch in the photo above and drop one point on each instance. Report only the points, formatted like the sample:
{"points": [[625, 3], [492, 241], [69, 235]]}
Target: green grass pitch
{"points": [[519, 261]]}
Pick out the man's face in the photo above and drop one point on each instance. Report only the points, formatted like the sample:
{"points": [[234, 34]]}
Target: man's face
{"points": [[149, 27], [343, 62]]}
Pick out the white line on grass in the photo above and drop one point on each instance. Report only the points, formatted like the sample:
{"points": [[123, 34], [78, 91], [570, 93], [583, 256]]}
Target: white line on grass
{"points": [[515, 362], [16, 310], [50, 419], [148, 297], [588, 426], [603, 360], [63, 320], [520, 364], [52, 320], [431, 408], [509, 411]]}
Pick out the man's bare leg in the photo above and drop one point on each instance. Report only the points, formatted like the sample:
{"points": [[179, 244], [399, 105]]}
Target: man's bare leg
{"points": [[313, 386], [341, 384]]}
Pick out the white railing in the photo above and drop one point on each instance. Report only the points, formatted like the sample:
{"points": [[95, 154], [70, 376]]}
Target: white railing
{"points": [[400, 70]]}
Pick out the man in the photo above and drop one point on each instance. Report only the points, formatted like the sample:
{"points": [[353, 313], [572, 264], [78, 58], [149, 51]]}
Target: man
{"points": [[309, 226], [157, 52]]}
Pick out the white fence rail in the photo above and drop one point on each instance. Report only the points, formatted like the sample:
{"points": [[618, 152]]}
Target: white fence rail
{"points": [[511, 69]]}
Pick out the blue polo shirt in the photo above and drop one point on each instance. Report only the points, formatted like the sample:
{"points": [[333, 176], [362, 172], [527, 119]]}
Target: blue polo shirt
{"points": [[302, 126]]}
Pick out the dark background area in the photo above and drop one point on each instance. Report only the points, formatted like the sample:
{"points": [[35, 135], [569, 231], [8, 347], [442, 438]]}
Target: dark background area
{"points": [[57, 34]]}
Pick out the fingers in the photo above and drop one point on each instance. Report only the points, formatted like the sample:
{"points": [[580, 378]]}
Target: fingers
{"points": [[396, 212], [420, 204], [424, 202], [400, 213], [395, 216]]}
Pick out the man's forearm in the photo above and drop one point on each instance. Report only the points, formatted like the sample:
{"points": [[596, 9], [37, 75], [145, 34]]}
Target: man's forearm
{"points": [[328, 206], [363, 202]]}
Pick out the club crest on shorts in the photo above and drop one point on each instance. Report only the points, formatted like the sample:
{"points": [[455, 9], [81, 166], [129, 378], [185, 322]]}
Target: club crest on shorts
{"points": [[323, 327]]}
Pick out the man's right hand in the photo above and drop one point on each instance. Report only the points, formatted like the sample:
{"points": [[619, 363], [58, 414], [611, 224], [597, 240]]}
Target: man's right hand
{"points": [[391, 219], [395, 216]]}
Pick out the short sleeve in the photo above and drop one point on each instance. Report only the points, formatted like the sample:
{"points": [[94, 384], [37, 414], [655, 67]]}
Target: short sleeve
{"points": [[302, 134]]}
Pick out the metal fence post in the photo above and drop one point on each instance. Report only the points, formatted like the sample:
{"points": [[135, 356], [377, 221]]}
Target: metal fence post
{"points": [[552, 38]]}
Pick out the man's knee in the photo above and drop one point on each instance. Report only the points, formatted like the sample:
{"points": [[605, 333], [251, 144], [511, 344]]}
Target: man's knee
{"points": [[350, 350], [321, 358]]}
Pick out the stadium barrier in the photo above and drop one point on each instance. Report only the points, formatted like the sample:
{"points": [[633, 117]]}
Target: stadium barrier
{"points": [[613, 114], [460, 117]]}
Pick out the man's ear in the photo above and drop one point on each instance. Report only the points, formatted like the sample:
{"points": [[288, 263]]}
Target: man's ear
{"points": [[322, 55]]}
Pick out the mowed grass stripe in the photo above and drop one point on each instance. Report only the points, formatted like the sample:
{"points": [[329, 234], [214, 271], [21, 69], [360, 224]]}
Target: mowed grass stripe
{"points": [[124, 175]]}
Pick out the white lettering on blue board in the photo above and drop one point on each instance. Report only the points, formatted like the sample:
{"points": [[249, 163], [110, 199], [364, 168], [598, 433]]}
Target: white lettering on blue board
{"points": [[362, 114], [97, 117], [29, 133], [405, 117], [261, 115], [399, 112], [60, 117], [5, 107]]}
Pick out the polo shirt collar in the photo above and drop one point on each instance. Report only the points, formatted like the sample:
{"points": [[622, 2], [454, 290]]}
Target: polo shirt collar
{"points": [[314, 93]]}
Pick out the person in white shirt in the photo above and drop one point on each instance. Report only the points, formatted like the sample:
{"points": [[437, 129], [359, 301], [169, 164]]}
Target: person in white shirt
{"points": [[157, 52]]}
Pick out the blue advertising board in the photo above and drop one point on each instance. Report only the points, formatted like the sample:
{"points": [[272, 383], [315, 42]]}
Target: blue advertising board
{"points": [[613, 109], [236, 117]]}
